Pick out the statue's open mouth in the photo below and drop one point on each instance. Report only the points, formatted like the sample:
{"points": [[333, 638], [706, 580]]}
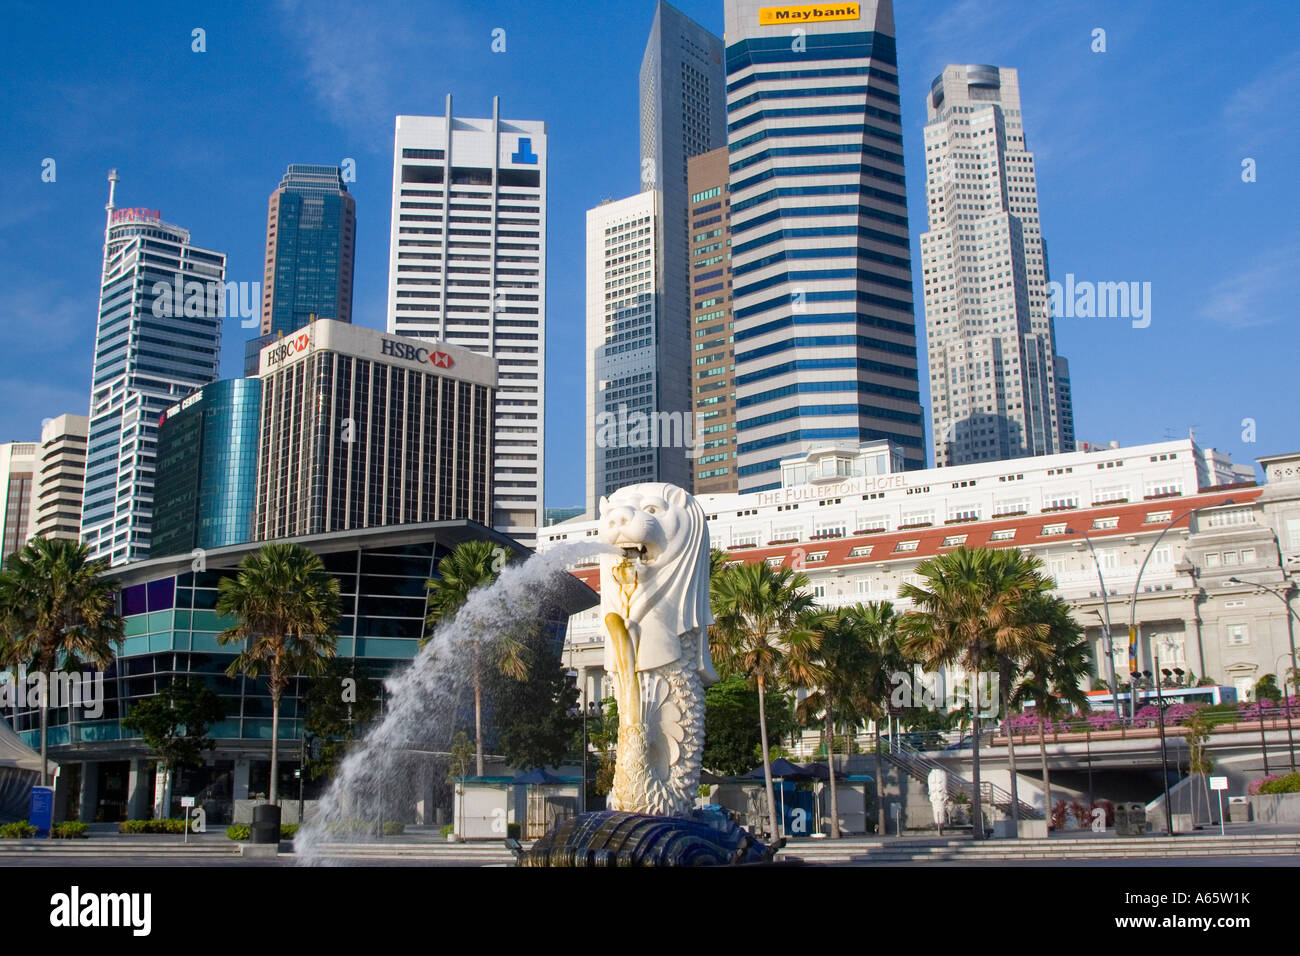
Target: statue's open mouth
{"points": [[635, 552]]}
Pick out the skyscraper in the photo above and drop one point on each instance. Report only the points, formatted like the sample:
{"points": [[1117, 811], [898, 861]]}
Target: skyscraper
{"points": [[683, 114], [997, 387], [713, 367], [825, 335], [361, 429], [207, 468], [60, 477], [17, 477], [467, 266], [623, 340], [311, 233], [158, 339]]}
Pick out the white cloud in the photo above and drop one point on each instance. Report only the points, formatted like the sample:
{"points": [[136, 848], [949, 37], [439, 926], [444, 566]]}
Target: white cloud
{"points": [[1258, 109], [362, 61], [1255, 295]]}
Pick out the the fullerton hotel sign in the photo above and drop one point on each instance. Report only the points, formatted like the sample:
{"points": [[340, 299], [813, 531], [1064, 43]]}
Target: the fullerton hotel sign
{"points": [[834, 489]]}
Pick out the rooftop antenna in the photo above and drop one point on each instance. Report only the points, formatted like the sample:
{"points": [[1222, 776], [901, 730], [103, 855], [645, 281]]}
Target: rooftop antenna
{"points": [[108, 220], [112, 192]]}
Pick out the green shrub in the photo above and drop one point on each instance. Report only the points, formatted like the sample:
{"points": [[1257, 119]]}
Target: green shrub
{"points": [[447, 829], [363, 828], [170, 825], [1288, 784], [71, 830], [17, 831], [242, 831]]}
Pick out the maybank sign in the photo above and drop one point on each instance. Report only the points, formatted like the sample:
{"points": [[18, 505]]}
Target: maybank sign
{"points": [[817, 13]]}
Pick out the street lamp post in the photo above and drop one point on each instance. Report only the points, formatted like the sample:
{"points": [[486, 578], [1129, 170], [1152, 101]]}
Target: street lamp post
{"points": [[1286, 710], [1137, 586], [1105, 603], [1293, 676], [1164, 753]]}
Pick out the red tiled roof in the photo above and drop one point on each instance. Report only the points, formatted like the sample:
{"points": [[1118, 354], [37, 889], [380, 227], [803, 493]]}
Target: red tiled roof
{"points": [[929, 540]]}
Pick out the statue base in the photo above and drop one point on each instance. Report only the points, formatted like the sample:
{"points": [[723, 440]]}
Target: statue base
{"points": [[618, 838]]}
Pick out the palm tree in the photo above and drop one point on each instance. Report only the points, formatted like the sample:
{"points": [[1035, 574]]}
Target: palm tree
{"points": [[472, 565], [885, 658], [968, 609], [55, 603], [285, 607], [1013, 644], [757, 632], [1053, 678], [843, 659]]}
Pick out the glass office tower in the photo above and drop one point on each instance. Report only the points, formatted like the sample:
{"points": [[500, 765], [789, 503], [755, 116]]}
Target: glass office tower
{"points": [[158, 339], [825, 335], [683, 113], [207, 468], [311, 234]]}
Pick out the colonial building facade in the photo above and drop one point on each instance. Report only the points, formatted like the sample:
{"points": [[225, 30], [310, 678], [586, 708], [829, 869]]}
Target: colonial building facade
{"points": [[1207, 564]]}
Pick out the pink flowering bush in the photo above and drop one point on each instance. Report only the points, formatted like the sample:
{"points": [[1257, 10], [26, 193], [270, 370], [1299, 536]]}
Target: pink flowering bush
{"points": [[1253, 787], [1103, 720], [1178, 713], [1250, 708], [1021, 723]]}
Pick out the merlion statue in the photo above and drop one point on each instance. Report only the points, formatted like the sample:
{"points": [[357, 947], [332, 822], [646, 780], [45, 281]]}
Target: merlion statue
{"points": [[655, 599], [654, 592]]}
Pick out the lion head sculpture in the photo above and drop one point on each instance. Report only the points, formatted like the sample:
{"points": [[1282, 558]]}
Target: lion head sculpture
{"points": [[663, 529]]}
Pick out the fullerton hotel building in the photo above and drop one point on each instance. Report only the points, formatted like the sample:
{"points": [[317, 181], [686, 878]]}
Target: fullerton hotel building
{"points": [[1209, 556]]}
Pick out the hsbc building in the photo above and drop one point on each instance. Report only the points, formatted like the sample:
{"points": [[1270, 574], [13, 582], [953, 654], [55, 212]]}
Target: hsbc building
{"points": [[361, 429]]}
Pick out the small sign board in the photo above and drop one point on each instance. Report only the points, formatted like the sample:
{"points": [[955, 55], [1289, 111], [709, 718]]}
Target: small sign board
{"points": [[41, 814], [1218, 783], [187, 802]]}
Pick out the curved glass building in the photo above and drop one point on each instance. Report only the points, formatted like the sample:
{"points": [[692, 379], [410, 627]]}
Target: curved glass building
{"points": [[206, 477]]}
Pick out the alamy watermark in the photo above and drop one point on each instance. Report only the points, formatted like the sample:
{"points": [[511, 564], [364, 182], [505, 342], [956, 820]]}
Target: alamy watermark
{"points": [[1084, 299], [58, 689], [930, 691], [191, 298], [624, 428]]}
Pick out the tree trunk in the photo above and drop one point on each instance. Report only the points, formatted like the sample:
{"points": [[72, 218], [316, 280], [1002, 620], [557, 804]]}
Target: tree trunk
{"points": [[1011, 757], [976, 812], [767, 762], [478, 713], [1047, 771], [478, 727], [880, 786], [45, 760], [830, 764], [275, 742]]}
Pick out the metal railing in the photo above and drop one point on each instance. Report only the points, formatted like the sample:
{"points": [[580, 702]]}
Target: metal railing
{"points": [[913, 761]]}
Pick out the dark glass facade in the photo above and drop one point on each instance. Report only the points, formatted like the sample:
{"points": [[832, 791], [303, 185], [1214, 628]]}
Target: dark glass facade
{"points": [[206, 484], [171, 629], [310, 244]]}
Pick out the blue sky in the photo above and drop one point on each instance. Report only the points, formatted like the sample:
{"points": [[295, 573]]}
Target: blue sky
{"points": [[1139, 152]]}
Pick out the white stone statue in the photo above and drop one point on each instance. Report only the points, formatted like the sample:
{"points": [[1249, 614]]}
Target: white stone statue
{"points": [[937, 784], [655, 599]]}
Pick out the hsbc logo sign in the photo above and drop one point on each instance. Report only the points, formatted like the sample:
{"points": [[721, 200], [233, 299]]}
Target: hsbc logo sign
{"points": [[287, 348], [414, 353]]}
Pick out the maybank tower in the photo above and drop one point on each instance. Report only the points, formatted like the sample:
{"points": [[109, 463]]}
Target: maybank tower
{"points": [[825, 336]]}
